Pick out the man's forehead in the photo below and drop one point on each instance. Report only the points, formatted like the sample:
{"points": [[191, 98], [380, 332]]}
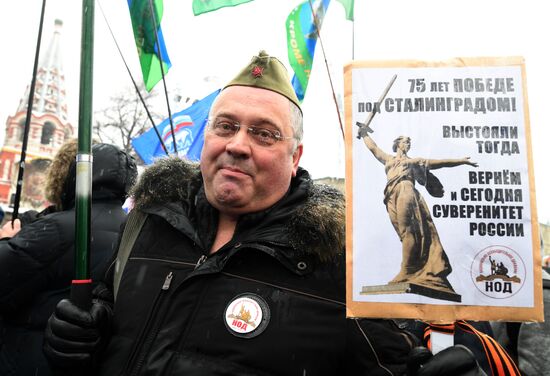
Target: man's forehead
{"points": [[250, 100]]}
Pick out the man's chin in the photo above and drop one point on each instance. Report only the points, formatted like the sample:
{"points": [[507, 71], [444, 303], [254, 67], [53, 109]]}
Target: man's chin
{"points": [[230, 207], [229, 197]]}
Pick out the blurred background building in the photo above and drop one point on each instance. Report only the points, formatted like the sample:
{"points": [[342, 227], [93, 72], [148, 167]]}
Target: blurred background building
{"points": [[49, 129]]}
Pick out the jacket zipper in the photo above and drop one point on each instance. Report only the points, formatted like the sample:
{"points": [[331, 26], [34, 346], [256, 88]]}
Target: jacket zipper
{"points": [[167, 281], [200, 261], [150, 331]]}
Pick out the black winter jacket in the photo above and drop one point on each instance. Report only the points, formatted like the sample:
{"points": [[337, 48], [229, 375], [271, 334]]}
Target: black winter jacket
{"points": [[269, 302], [37, 264]]}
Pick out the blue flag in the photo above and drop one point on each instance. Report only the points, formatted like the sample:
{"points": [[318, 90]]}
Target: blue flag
{"points": [[302, 36], [189, 127]]}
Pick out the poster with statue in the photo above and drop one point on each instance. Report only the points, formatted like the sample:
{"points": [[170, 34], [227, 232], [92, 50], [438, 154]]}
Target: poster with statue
{"points": [[441, 215]]}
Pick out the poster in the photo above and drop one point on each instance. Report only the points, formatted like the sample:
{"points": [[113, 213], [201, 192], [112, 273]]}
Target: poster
{"points": [[441, 219]]}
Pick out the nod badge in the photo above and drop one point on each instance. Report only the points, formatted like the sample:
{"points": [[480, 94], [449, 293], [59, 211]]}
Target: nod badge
{"points": [[498, 272], [247, 315]]}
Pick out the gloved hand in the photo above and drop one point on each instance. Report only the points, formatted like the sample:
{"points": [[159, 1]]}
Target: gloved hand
{"points": [[75, 337], [453, 361]]}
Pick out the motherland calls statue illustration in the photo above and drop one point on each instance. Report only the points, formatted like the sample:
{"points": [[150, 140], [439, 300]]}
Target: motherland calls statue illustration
{"points": [[425, 265]]}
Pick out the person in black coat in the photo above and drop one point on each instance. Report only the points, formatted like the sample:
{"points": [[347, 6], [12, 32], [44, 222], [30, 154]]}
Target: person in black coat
{"points": [[237, 265], [37, 258]]}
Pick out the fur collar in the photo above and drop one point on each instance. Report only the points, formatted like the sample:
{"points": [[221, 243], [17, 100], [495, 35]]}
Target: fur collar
{"points": [[317, 225]]}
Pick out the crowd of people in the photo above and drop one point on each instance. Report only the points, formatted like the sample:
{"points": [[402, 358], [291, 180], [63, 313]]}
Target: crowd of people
{"points": [[37, 251], [234, 266]]}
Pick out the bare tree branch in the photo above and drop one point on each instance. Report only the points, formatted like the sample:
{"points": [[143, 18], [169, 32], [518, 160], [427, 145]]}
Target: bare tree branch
{"points": [[124, 119]]}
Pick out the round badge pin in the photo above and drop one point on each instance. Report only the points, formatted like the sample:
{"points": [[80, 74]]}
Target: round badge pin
{"points": [[247, 315]]}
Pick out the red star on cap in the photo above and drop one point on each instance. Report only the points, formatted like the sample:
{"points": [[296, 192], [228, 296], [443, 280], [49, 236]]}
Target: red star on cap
{"points": [[257, 71]]}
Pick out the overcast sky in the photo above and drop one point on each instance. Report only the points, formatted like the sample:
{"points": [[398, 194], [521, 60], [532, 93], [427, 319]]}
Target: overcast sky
{"points": [[209, 49]]}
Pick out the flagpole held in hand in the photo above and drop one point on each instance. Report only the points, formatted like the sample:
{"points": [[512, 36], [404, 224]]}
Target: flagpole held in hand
{"points": [[81, 288]]}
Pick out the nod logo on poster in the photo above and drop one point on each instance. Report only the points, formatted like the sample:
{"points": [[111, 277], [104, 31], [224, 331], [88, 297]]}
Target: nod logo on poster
{"points": [[182, 130], [498, 272]]}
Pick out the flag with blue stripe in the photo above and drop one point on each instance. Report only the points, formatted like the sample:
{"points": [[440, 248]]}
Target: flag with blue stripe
{"points": [[189, 127]]}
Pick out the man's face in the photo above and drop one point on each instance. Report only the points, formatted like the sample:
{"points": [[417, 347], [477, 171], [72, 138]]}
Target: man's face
{"points": [[240, 175]]}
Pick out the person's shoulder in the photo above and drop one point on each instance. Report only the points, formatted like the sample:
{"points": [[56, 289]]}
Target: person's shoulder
{"points": [[45, 237], [416, 161], [169, 179], [318, 224], [56, 222]]}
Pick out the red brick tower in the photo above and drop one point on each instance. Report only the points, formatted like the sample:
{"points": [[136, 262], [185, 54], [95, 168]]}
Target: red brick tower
{"points": [[49, 129]]}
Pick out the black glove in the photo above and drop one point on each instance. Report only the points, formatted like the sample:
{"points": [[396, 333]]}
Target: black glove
{"points": [[453, 361], [74, 337]]}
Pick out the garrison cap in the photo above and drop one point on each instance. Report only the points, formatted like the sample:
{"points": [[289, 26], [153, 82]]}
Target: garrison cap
{"points": [[266, 72]]}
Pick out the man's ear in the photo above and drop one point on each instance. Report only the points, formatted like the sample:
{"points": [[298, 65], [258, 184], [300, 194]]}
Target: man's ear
{"points": [[296, 158]]}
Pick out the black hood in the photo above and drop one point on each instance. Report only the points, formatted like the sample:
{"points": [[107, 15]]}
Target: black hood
{"points": [[114, 173]]}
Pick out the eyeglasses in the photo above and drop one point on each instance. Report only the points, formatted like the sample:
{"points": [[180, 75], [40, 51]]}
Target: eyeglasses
{"points": [[227, 128]]}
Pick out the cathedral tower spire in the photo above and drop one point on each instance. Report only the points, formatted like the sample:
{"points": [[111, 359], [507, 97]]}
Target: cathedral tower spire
{"points": [[49, 128]]}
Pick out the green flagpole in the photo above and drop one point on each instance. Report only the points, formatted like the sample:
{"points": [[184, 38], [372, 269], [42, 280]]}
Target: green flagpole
{"points": [[82, 284]]}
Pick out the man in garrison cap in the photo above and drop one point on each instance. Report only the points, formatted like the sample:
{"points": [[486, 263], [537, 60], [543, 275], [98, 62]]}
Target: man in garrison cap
{"points": [[236, 266]]}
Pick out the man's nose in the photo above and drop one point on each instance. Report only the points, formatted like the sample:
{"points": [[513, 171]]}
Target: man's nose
{"points": [[240, 143]]}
